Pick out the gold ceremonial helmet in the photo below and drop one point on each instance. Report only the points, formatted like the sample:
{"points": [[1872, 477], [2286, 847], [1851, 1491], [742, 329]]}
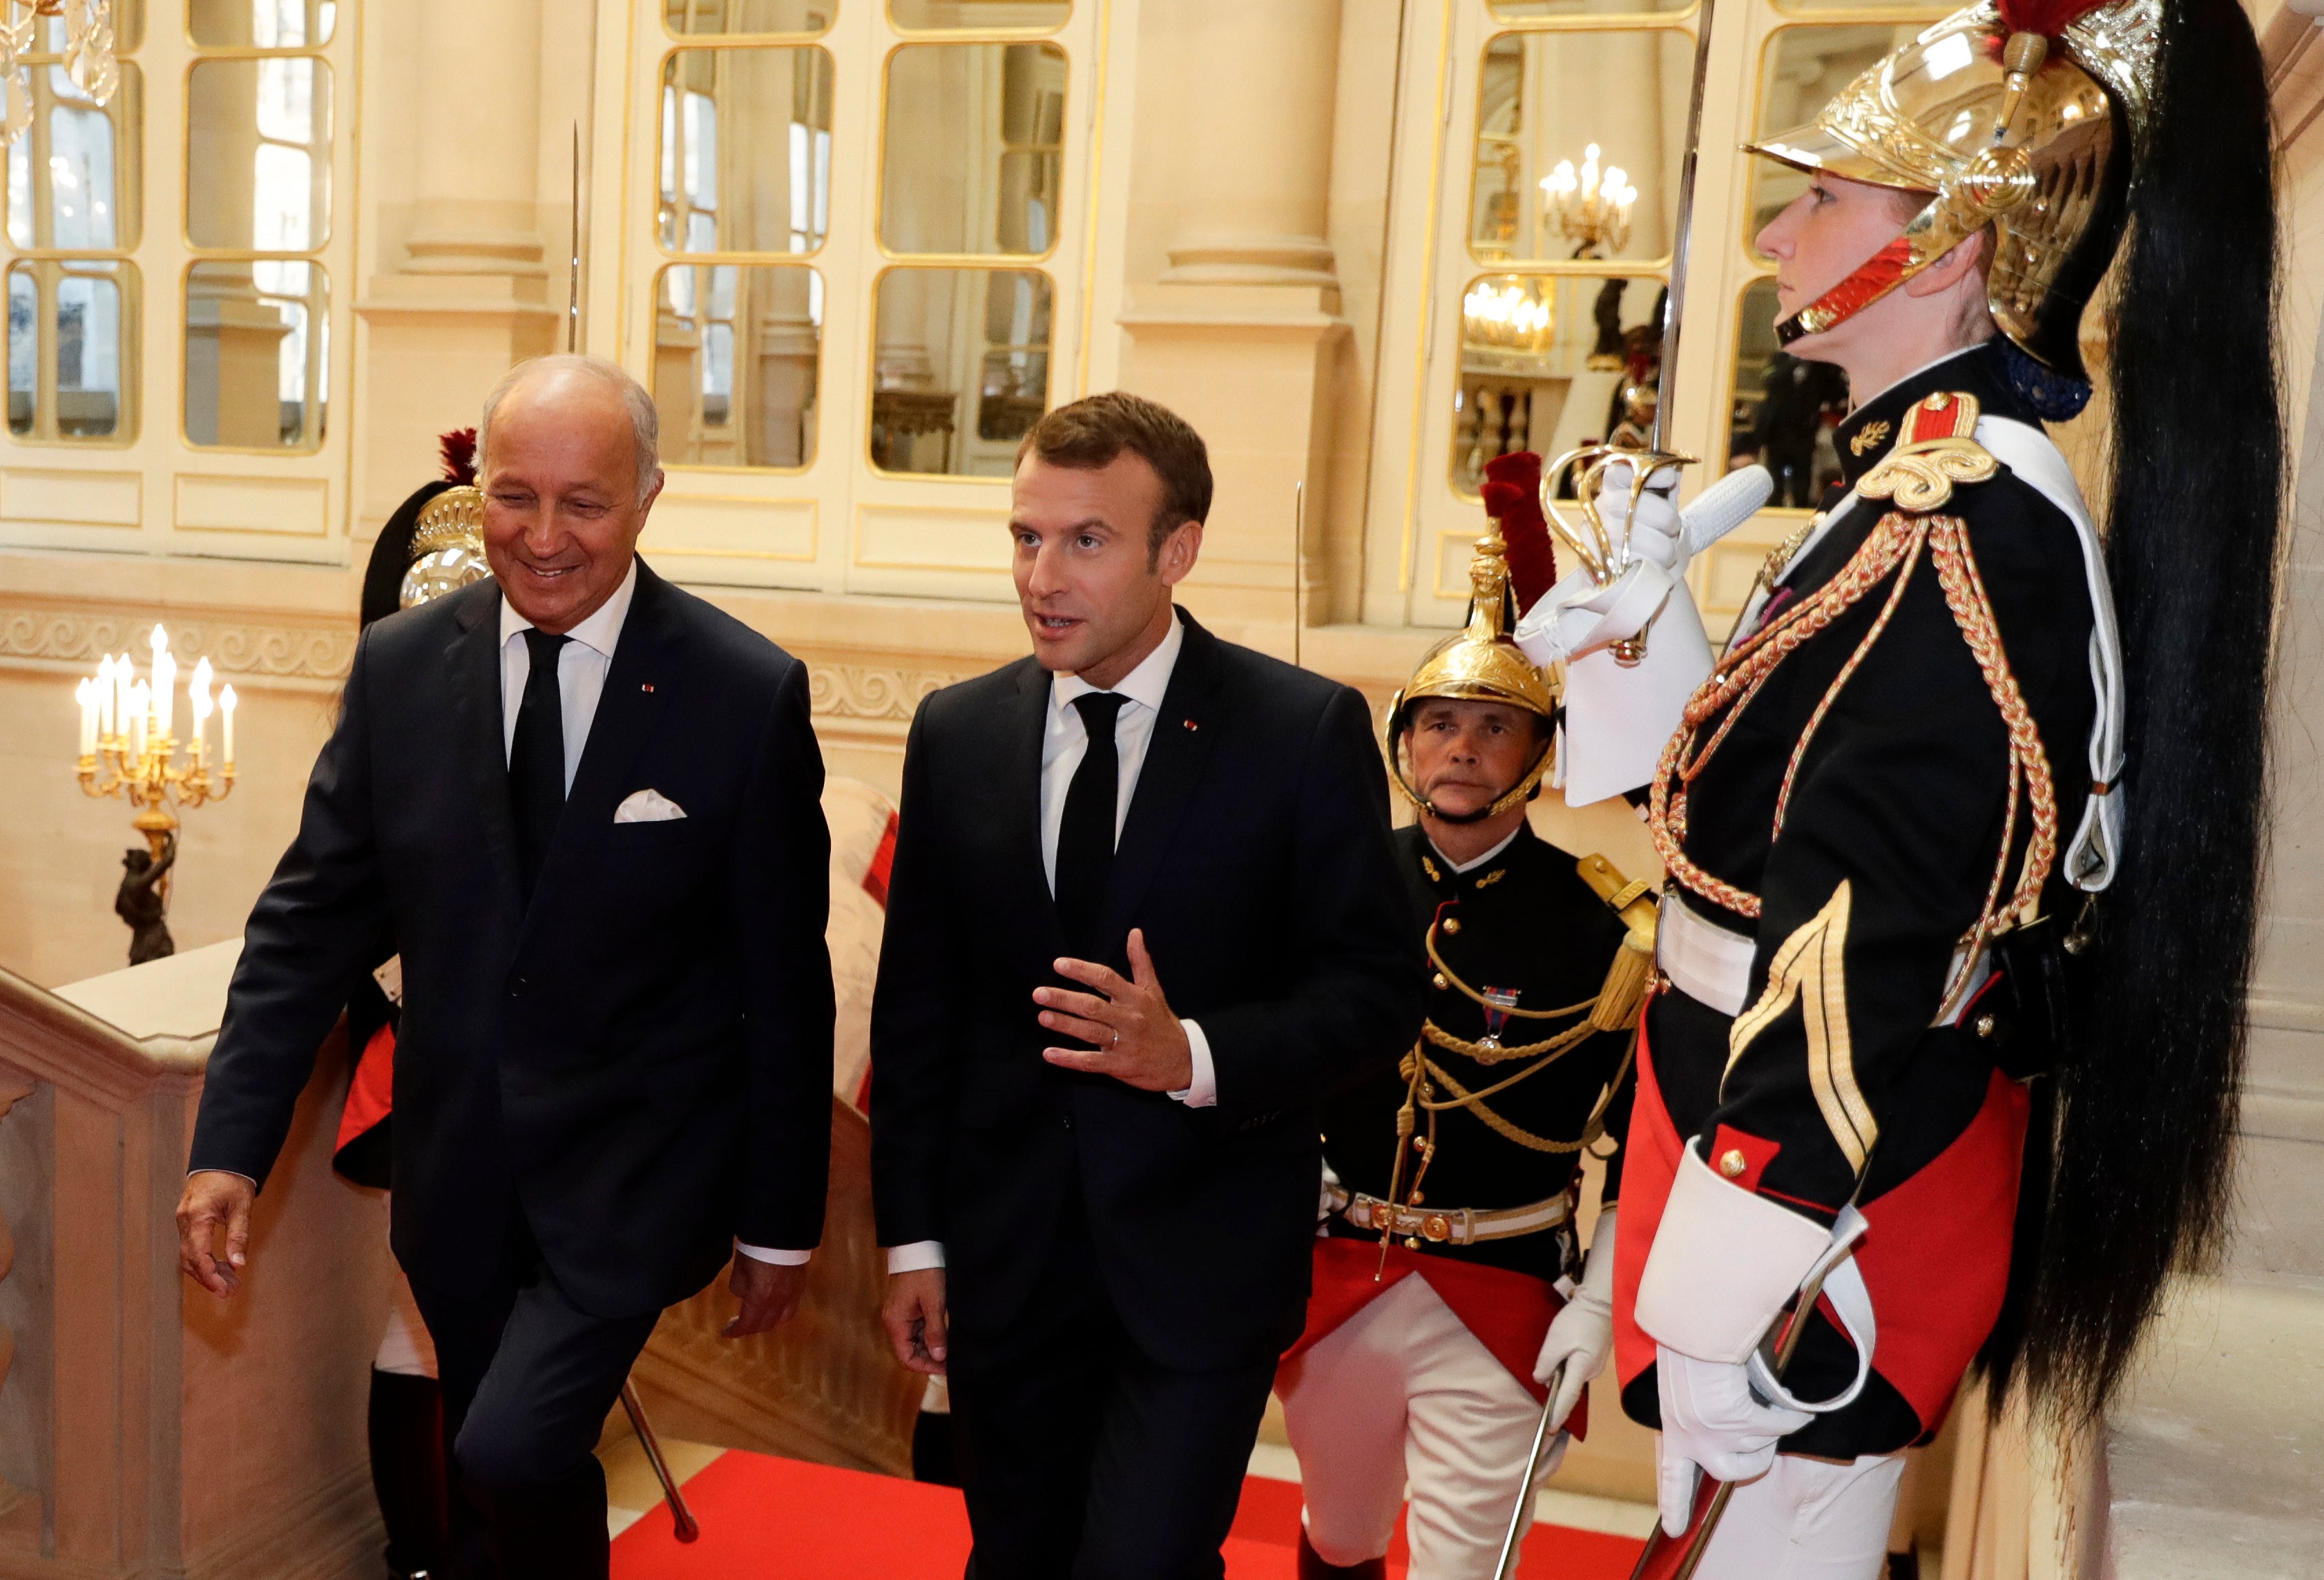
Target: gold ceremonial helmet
{"points": [[1479, 664], [448, 547], [2014, 116]]}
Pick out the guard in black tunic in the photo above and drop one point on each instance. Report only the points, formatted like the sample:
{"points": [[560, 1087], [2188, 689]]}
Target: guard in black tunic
{"points": [[1964, 823], [1445, 1297]]}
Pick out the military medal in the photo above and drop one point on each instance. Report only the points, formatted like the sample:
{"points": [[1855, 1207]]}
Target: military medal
{"points": [[1496, 1002]]}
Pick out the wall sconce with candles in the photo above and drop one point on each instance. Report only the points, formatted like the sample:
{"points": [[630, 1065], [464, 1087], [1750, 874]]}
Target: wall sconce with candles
{"points": [[128, 748], [1589, 209]]}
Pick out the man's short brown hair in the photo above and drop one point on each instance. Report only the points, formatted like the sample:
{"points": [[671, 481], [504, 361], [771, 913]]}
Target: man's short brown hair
{"points": [[1093, 432]]}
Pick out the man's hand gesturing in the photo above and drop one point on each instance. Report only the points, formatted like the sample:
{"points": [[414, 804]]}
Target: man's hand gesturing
{"points": [[1139, 1042], [214, 1229]]}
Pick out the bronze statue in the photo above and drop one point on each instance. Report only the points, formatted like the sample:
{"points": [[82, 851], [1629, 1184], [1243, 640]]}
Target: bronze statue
{"points": [[143, 902]]}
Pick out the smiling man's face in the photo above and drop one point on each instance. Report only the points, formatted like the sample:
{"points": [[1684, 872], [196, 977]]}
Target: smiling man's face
{"points": [[562, 511]]}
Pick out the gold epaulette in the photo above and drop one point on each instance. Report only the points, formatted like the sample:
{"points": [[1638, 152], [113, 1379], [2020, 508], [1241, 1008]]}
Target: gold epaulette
{"points": [[1634, 962], [1937, 450]]}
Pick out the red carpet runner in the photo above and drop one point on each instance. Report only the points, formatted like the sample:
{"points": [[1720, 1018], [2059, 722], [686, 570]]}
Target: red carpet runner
{"points": [[781, 1518]]}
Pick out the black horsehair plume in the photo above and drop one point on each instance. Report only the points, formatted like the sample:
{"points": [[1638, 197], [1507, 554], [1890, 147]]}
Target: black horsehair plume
{"points": [[2147, 1104]]}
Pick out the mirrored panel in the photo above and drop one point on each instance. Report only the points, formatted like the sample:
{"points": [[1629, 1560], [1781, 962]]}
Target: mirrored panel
{"points": [[258, 154], [261, 25], [745, 151], [1549, 362], [257, 355], [944, 15], [974, 150], [74, 178], [128, 28], [1784, 408], [1536, 10], [738, 354], [687, 18], [1802, 71], [960, 367], [71, 343], [1579, 141]]}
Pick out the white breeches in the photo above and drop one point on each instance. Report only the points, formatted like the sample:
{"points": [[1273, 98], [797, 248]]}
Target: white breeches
{"points": [[1808, 1519], [1404, 1396]]}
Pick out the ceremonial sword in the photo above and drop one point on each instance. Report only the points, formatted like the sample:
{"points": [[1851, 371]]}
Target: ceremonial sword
{"points": [[1589, 543], [1521, 1517]]}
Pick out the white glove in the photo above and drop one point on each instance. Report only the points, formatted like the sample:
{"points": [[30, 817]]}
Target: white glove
{"points": [[1582, 1335], [1711, 1423], [1651, 525]]}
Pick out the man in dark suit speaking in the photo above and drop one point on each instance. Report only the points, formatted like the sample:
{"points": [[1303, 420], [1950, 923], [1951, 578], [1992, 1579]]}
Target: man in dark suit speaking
{"points": [[582, 804], [1143, 915]]}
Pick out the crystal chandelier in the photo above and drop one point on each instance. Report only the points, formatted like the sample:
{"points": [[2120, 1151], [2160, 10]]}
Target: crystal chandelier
{"points": [[1508, 315], [88, 50], [1592, 211]]}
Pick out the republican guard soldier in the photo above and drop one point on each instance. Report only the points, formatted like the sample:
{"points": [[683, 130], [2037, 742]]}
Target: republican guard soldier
{"points": [[1964, 825], [1446, 1295]]}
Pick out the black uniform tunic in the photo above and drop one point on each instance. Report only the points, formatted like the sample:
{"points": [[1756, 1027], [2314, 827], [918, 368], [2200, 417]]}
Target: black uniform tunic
{"points": [[1526, 921], [1899, 799]]}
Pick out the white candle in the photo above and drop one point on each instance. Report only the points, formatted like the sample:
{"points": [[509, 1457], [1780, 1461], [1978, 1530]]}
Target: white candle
{"points": [[198, 693], [225, 710], [102, 689], [125, 676], [141, 699], [165, 690], [165, 679], [85, 693]]}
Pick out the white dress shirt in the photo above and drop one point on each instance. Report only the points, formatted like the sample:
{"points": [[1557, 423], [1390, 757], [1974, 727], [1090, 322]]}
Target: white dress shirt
{"points": [[581, 666], [1063, 744]]}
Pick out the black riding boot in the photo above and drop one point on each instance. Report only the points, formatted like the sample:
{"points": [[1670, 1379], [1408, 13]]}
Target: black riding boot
{"points": [[406, 1473]]}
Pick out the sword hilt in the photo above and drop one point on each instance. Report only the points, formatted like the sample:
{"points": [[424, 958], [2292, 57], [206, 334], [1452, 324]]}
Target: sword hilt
{"points": [[1676, 1557]]}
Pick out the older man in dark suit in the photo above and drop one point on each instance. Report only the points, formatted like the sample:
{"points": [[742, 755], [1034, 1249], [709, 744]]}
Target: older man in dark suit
{"points": [[1144, 915], [582, 804]]}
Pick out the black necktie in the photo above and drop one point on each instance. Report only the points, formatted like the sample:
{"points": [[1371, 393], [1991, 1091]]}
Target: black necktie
{"points": [[536, 758], [1085, 833]]}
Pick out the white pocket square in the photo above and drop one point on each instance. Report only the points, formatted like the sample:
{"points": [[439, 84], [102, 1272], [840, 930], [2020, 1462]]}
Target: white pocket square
{"points": [[648, 806]]}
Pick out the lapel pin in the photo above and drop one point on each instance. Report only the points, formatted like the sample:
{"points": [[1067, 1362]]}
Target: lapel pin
{"points": [[1190, 724], [647, 687]]}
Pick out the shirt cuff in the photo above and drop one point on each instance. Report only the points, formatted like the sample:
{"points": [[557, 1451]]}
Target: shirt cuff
{"points": [[917, 1257], [769, 1254], [237, 1173], [1203, 1091]]}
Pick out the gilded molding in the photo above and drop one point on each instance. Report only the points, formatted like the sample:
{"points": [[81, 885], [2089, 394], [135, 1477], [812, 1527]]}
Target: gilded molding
{"points": [[323, 653], [866, 691], [235, 648]]}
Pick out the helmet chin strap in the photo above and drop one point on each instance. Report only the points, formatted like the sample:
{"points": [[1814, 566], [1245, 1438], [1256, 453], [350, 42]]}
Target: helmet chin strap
{"points": [[1880, 274], [1516, 795]]}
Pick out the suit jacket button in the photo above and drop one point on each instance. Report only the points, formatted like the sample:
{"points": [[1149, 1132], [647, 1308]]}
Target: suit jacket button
{"points": [[517, 986], [1066, 1120]]}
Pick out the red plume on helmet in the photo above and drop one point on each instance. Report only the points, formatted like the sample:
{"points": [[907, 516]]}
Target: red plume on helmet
{"points": [[1512, 493], [459, 452], [2047, 17]]}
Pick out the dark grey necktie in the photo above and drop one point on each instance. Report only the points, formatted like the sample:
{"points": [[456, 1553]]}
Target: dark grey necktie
{"points": [[1085, 833], [536, 758]]}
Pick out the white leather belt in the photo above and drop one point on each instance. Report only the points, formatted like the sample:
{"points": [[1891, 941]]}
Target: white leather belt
{"points": [[1703, 960], [1712, 965], [1457, 1225]]}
